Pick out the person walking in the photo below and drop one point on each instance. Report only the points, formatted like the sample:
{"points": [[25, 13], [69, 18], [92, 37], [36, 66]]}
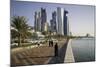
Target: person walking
{"points": [[38, 44], [56, 49], [52, 43], [49, 43]]}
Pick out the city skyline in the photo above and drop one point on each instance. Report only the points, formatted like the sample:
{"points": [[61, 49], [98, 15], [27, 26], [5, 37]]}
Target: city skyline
{"points": [[81, 18]]}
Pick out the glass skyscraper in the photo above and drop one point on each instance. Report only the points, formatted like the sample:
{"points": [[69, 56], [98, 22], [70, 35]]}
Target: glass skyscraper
{"points": [[53, 22], [43, 18], [60, 21], [37, 22], [65, 23]]}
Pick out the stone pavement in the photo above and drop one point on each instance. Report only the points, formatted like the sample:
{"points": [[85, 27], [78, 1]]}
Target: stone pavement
{"points": [[37, 55], [69, 57]]}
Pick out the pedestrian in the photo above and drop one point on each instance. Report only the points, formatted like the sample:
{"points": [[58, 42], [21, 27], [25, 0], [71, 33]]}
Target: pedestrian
{"points": [[52, 43], [38, 44], [56, 49]]}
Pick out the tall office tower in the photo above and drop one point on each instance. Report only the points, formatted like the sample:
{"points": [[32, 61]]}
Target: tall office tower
{"points": [[43, 18], [35, 21], [66, 23], [39, 22], [51, 25], [60, 14], [46, 25], [53, 22]]}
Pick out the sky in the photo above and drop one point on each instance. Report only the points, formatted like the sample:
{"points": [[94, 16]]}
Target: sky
{"points": [[81, 17]]}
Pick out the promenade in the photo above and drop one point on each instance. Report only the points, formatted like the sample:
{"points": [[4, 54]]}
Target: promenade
{"points": [[69, 57], [42, 55]]}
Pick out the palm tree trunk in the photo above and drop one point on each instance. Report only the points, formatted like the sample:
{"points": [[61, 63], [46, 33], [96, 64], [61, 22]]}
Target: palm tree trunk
{"points": [[19, 38]]}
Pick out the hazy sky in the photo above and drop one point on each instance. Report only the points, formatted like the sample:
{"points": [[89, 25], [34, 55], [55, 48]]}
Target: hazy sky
{"points": [[81, 17]]}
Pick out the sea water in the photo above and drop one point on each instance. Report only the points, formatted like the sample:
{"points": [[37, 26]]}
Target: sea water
{"points": [[83, 49]]}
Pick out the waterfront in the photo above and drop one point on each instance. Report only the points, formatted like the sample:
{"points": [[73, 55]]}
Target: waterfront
{"points": [[83, 49], [38, 55], [51, 33]]}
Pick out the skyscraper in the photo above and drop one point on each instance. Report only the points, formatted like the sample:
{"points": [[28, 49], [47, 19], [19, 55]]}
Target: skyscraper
{"points": [[37, 22], [60, 21], [43, 18], [65, 23], [46, 27], [53, 22]]}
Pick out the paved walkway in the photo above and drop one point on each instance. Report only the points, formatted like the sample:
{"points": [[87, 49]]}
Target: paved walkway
{"points": [[65, 55], [69, 57], [61, 55], [25, 48]]}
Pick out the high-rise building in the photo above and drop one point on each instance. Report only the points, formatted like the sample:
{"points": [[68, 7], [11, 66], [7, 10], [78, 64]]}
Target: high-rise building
{"points": [[43, 18], [53, 22], [46, 27], [65, 23], [51, 25], [60, 12], [37, 22], [62, 22]]}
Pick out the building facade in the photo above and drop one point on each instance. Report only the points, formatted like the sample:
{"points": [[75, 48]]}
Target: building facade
{"points": [[53, 22], [46, 25], [60, 21], [65, 23], [37, 21], [58, 24], [43, 18]]}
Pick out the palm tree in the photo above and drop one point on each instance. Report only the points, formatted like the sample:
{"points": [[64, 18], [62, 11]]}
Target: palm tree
{"points": [[21, 26]]}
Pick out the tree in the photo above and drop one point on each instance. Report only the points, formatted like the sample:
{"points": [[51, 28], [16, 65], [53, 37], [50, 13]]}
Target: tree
{"points": [[14, 34], [21, 26], [45, 32], [34, 35]]}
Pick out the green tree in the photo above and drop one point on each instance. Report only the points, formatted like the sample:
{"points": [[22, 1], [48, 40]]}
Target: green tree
{"points": [[21, 26], [34, 35], [14, 34]]}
